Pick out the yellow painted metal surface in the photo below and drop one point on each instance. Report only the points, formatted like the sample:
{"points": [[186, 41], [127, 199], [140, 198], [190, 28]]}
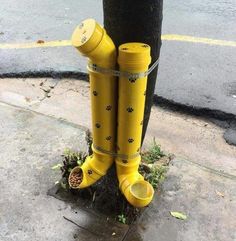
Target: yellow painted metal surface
{"points": [[133, 57], [91, 40]]}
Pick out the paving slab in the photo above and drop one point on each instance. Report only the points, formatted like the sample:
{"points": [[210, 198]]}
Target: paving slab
{"points": [[189, 137], [62, 98], [30, 144], [193, 138], [208, 200]]}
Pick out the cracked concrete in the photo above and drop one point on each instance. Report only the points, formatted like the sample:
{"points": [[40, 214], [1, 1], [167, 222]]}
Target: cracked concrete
{"points": [[37, 90], [71, 96]]}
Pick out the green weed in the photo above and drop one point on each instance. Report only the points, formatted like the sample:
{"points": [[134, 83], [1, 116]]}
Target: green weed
{"points": [[154, 164], [153, 154], [70, 159], [156, 176], [122, 218]]}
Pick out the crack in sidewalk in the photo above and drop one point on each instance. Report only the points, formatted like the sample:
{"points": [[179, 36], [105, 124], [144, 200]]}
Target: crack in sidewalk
{"points": [[210, 169]]}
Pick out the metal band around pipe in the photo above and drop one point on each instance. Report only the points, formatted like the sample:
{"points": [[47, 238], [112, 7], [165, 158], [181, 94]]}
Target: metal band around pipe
{"points": [[97, 69], [122, 156]]}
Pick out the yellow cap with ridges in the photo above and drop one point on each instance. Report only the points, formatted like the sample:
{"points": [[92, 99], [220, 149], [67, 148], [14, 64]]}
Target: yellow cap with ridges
{"points": [[87, 36], [134, 55]]}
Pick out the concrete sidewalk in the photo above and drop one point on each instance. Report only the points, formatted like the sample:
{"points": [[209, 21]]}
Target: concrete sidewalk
{"points": [[30, 145], [193, 191], [200, 184], [194, 138]]}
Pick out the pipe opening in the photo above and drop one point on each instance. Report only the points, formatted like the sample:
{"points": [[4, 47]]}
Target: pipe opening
{"points": [[141, 190], [76, 177]]}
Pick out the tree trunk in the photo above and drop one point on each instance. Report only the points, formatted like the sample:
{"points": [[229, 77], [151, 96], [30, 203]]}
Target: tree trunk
{"points": [[136, 21]]}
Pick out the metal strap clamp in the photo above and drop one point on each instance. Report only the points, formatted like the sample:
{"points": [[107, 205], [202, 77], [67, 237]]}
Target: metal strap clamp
{"points": [[97, 69], [122, 156]]}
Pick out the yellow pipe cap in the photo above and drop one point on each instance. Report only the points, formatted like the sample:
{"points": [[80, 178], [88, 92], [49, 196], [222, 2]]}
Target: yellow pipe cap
{"points": [[87, 36], [134, 55]]}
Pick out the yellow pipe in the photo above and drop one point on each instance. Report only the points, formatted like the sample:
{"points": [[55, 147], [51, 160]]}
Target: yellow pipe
{"points": [[90, 39], [134, 58]]}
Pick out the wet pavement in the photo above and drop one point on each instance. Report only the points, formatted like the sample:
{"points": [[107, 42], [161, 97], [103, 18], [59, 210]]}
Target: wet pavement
{"points": [[31, 143], [192, 191], [193, 74]]}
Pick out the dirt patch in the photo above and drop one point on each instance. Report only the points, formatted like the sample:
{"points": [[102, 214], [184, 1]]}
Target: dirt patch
{"points": [[105, 195]]}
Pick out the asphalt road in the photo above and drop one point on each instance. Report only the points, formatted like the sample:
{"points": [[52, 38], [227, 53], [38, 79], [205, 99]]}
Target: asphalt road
{"points": [[194, 74]]}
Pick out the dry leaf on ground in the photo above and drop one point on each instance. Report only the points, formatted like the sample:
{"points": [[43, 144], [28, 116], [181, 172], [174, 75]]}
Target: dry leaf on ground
{"points": [[178, 215]]}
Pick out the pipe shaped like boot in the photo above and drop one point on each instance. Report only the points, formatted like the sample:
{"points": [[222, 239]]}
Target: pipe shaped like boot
{"points": [[90, 39], [134, 58]]}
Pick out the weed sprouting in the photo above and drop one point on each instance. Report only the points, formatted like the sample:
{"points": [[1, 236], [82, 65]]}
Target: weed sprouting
{"points": [[70, 159], [122, 218], [153, 154]]}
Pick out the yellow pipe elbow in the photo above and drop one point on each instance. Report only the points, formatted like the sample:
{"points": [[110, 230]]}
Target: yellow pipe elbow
{"points": [[136, 190], [94, 167], [91, 40], [134, 58]]}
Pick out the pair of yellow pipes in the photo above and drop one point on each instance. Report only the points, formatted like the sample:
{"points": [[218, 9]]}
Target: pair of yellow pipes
{"points": [[111, 133]]}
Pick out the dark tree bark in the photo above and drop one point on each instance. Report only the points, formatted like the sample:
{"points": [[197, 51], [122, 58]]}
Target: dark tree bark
{"points": [[136, 21]]}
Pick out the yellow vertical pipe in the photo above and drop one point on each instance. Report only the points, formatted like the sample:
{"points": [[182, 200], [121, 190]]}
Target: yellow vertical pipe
{"points": [[134, 58], [91, 40]]}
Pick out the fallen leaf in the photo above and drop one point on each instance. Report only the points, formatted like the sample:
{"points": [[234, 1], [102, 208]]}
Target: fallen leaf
{"points": [[40, 41], [57, 166], [178, 215], [220, 194]]}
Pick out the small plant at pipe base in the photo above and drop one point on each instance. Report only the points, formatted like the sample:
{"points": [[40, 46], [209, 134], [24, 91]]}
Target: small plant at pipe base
{"points": [[156, 175], [154, 164], [70, 159], [153, 154], [153, 167], [122, 218], [105, 196]]}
